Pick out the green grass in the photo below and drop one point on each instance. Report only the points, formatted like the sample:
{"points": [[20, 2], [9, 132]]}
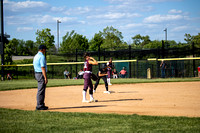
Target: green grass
{"points": [[36, 121], [47, 122], [31, 83]]}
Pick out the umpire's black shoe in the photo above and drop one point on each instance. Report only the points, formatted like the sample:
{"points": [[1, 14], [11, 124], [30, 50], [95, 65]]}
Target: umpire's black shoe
{"points": [[42, 108]]}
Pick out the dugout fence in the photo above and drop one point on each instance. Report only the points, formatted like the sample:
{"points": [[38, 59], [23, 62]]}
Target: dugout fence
{"points": [[175, 68]]}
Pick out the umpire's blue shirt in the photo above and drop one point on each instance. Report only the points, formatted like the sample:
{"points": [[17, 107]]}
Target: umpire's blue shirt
{"points": [[39, 61]]}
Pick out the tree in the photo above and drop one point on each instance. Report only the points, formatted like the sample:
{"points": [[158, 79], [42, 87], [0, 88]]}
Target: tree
{"points": [[21, 47], [112, 38], [137, 39], [188, 38], [140, 41], [193, 39], [31, 48], [96, 42], [72, 41], [44, 37], [196, 40], [14, 43], [9, 51], [153, 44]]}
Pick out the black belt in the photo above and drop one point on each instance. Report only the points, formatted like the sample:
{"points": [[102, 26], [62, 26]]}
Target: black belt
{"points": [[38, 72]]}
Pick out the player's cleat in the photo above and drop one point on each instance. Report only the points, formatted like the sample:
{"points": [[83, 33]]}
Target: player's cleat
{"points": [[93, 100], [108, 92], [85, 101], [42, 108], [94, 91], [109, 84]]}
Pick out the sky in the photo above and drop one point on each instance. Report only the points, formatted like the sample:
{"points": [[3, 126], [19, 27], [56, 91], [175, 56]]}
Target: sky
{"points": [[22, 18]]}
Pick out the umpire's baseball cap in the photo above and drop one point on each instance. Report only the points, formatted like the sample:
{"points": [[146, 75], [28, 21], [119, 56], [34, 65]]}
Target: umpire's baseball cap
{"points": [[42, 47]]}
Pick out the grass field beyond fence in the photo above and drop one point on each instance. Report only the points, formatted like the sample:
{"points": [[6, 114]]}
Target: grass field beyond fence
{"points": [[47, 122], [31, 83]]}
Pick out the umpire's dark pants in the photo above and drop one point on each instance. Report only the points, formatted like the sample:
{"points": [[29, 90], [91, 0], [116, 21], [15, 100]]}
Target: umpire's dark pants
{"points": [[41, 89], [105, 81]]}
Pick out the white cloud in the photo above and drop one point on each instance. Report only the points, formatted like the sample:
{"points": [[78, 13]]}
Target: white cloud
{"points": [[138, 25], [23, 29], [174, 11], [116, 15], [15, 20], [180, 28], [65, 19], [162, 18], [38, 19], [78, 10], [139, 1], [58, 9], [25, 6], [132, 25]]}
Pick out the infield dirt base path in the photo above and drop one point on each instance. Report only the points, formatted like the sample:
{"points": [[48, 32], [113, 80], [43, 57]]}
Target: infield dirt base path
{"points": [[158, 99]]}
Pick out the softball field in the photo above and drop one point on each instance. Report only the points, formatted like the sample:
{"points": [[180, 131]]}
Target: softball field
{"points": [[157, 99]]}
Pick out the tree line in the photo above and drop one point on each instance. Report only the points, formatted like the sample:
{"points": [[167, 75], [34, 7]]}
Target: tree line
{"points": [[110, 38]]}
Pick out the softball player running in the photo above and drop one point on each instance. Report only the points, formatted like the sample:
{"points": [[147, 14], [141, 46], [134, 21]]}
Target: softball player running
{"points": [[89, 61], [110, 65], [102, 74]]}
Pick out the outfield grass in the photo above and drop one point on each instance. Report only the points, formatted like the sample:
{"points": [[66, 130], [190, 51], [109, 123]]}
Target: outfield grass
{"points": [[36, 121], [31, 83]]}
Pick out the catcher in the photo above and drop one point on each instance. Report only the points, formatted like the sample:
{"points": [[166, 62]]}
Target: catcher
{"points": [[102, 74]]}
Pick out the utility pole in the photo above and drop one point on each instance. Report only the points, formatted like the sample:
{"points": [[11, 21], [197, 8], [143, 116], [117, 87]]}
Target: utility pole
{"points": [[2, 42]]}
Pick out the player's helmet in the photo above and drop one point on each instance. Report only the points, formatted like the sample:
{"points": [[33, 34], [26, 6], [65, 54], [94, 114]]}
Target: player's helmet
{"points": [[103, 65]]}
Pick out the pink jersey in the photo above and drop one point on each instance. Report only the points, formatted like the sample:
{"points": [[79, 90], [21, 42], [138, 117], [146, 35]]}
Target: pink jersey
{"points": [[87, 66], [123, 72]]}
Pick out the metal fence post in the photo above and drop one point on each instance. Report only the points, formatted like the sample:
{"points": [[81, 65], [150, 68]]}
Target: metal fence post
{"points": [[76, 60], [193, 53], [147, 65], [52, 71], [17, 71], [157, 68], [99, 55], [129, 62], [104, 54], [137, 69], [163, 49]]}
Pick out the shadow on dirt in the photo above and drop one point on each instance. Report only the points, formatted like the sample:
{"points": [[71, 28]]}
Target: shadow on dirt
{"points": [[118, 100], [96, 106]]}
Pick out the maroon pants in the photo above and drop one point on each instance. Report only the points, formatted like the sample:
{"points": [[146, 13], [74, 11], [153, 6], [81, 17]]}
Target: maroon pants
{"points": [[88, 83], [109, 73]]}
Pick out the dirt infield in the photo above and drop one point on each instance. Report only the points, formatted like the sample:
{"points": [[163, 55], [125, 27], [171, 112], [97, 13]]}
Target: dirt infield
{"points": [[158, 99]]}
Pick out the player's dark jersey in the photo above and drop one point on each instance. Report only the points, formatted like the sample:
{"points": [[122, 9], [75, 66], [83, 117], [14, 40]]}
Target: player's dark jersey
{"points": [[110, 64], [102, 71], [87, 66]]}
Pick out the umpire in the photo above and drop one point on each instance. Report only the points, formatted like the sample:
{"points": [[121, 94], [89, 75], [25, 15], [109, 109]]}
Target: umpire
{"points": [[40, 68]]}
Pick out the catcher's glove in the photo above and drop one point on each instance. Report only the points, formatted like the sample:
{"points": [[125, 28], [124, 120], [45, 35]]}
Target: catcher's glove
{"points": [[94, 77]]}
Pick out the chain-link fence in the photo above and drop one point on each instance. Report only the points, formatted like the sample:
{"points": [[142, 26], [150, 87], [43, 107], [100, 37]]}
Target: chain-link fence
{"points": [[180, 67], [139, 60]]}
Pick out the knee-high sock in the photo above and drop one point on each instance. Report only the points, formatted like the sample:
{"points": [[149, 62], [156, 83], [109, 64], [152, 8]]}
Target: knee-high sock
{"points": [[84, 95], [108, 80], [91, 97]]}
